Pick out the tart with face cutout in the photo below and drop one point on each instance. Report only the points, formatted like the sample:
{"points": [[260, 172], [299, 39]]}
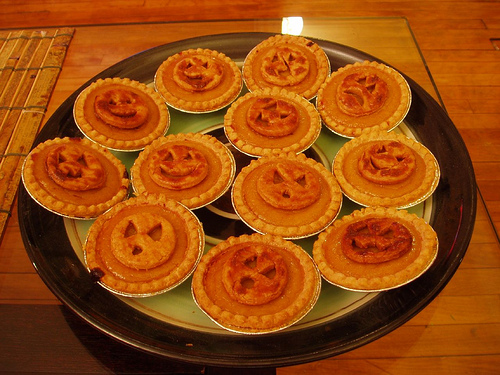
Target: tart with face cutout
{"points": [[256, 283], [272, 120], [74, 177], [386, 169], [375, 249], [363, 95], [194, 169], [198, 80], [144, 246], [288, 62], [121, 114], [288, 195]]}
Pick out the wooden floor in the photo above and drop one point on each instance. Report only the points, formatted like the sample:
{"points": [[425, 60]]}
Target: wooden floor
{"points": [[460, 41]]}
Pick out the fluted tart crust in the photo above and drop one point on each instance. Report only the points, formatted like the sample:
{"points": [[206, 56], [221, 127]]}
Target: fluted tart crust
{"points": [[256, 284], [144, 246], [363, 95], [193, 168], [386, 169], [375, 249], [121, 114], [287, 194], [290, 62], [74, 177], [198, 80], [272, 120]]}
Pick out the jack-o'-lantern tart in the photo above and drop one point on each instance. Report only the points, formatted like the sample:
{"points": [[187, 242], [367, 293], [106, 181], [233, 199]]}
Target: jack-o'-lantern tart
{"points": [[256, 284], [198, 80], [272, 120], [74, 177], [386, 169], [375, 249], [194, 169], [287, 194], [288, 62], [144, 246], [121, 114], [363, 95]]}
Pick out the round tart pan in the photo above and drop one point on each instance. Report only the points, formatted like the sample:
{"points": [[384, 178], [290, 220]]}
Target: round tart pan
{"points": [[321, 334]]}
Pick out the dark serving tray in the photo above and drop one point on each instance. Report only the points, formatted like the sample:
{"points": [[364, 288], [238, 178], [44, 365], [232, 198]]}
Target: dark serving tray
{"points": [[451, 211]]}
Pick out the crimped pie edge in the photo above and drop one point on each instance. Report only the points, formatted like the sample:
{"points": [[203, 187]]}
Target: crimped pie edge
{"points": [[224, 154], [311, 136], [390, 123], [39, 194], [113, 144], [194, 229], [428, 253], [266, 323], [256, 223], [426, 188]]}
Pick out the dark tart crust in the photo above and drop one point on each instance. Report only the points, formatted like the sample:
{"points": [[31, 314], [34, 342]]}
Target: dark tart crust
{"points": [[194, 169], [386, 169], [375, 249], [121, 114], [363, 95], [272, 120], [285, 284], [74, 177], [287, 195], [198, 80], [290, 62], [144, 246]]}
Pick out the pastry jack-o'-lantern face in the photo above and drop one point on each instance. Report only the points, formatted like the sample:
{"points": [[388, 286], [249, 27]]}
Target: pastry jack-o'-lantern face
{"points": [[143, 241]]}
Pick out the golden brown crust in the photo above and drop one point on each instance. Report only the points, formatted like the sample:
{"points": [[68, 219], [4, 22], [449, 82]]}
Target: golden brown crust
{"points": [[74, 177], [121, 114], [383, 179], [363, 95], [198, 80], [290, 62], [390, 270], [272, 120], [144, 246], [193, 168], [280, 301], [299, 199]]}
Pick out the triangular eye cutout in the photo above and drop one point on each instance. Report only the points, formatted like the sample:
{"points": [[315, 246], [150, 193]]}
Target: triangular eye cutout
{"points": [[155, 233], [277, 178], [131, 230], [301, 180]]}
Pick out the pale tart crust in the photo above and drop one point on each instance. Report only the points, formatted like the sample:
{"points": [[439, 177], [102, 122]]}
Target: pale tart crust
{"points": [[135, 139], [86, 203], [243, 137], [203, 99], [111, 254], [296, 299], [288, 223], [419, 186], [306, 85], [387, 117], [339, 270], [220, 162]]}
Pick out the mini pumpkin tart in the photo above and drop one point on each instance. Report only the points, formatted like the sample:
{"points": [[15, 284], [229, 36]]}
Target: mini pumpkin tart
{"points": [[291, 62], [386, 169], [198, 80], [375, 249], [286, 194], [256, 284], [144, 246], [121, 114], [74, 177], [363, 95], [272, 120], [194, 169]]}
